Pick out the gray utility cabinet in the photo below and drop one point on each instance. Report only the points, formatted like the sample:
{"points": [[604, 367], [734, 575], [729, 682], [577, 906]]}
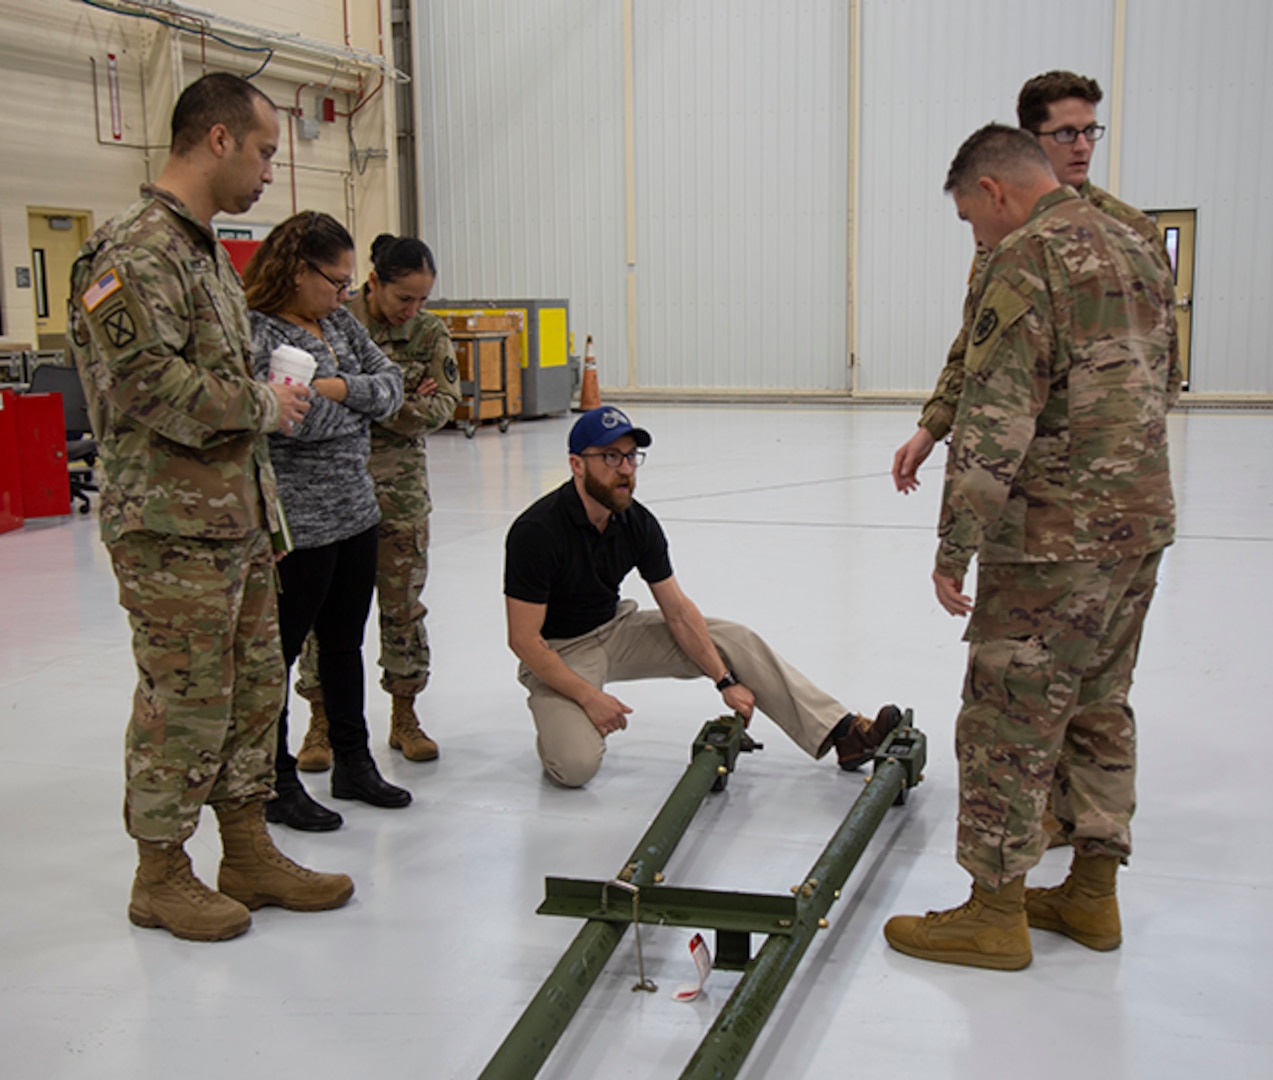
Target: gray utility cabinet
{"points": [[547, 377]]}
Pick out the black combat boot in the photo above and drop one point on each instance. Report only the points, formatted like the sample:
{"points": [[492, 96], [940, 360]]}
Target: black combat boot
{"points": [[355, 776]]}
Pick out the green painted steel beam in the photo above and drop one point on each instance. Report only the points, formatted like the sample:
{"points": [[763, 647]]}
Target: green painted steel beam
{"points": [[725, 1047], [668, 905], [525, 1049]]}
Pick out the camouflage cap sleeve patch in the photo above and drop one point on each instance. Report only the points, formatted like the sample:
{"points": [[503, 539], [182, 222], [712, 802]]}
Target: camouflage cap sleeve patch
{"points": [[1000, 307], [115, 318]]}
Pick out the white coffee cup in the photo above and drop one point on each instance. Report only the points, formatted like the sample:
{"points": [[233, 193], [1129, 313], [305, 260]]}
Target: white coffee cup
{"points": [[288, 364]]}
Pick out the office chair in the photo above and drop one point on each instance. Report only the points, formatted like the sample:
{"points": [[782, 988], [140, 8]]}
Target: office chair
{"points": [[80, 444]]}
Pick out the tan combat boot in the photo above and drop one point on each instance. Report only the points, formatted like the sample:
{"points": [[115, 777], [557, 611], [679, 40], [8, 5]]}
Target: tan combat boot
{"points": [[989, 931], [316, 750], [1084, 906], [405, 733], [167, 895], [256, 873]]}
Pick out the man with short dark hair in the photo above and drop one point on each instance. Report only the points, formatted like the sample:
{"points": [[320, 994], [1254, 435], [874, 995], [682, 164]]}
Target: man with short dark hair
{"points": [[1058, 481], [565, 557], [1059, 109], [218, 98], [160, 333]]}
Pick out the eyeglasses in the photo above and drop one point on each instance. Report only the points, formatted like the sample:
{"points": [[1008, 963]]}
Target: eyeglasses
{"points": [[341, 286], [613, 459], [1067, 135]]}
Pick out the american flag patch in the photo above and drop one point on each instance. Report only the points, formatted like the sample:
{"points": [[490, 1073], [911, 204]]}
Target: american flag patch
{"points": [[100, 289]]}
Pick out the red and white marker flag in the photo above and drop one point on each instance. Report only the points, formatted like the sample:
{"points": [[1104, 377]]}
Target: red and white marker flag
{"points": [[703, 962]]}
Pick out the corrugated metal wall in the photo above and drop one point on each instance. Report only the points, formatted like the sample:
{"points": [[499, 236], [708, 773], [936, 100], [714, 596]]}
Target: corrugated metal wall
{"points": [[1198, 104], [521, 137], [742, 193], [742, 139], [931, 75]]}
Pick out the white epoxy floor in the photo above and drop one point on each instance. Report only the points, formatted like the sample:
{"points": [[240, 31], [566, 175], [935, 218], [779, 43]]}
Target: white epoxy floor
{"points": [[782, 517]]}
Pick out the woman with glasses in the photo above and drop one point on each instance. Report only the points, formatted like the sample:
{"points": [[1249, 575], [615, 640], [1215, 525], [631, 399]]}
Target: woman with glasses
{"points": [[391, 306], [295, 284]]}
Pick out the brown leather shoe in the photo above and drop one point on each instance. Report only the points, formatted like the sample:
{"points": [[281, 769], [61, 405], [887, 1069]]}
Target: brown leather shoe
{"points": [[856, 738]]}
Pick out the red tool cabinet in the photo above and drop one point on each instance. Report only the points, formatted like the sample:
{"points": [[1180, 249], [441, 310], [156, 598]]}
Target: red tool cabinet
{"points": [[11, 516], [41, 426]]}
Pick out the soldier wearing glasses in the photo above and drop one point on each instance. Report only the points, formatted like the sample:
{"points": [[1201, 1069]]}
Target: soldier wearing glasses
{"points": [[1059, 108], [565, 557]]}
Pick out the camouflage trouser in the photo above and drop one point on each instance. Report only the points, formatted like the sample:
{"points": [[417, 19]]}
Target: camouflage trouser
{"points": [[401, 570], [204, 616], [1050, 660]]}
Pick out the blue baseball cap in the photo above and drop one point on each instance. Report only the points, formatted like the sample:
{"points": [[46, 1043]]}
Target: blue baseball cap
{"points": [[601, 427]]}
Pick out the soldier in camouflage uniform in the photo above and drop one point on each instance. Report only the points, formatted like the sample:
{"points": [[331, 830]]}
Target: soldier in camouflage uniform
{"points": [[1058, 481], [160, 335], [1059, 107], [390, 306]]}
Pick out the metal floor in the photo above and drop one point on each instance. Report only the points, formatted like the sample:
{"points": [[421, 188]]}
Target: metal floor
{"points": [[781, 517]]}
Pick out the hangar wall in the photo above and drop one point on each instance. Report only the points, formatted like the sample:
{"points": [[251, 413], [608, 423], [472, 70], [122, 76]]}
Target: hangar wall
{"points": [[735, 272]]}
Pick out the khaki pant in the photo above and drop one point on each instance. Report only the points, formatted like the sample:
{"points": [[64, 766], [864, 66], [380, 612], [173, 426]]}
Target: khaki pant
{"points": [[638, 645], [1052, 647]]}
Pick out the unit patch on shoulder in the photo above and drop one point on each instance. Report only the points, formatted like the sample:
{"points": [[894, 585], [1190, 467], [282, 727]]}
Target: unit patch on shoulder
{"points": [[451, 369], [113, 316], [986, 324], [1001, 307], [118, 326]]}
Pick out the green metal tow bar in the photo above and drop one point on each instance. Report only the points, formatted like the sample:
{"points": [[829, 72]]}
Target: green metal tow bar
{"points": [[527, 1046], [726, 1046], [635, 896]]}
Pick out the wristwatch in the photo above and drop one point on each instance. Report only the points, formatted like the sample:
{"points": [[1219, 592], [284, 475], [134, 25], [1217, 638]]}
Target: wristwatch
{"points": [[729, 679]]}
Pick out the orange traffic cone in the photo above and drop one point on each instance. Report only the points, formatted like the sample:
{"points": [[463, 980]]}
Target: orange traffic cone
{"points": [[589, 391]]}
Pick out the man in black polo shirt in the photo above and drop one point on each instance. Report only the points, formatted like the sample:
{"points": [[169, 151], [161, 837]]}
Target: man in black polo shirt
{"points": [[565, 558]]}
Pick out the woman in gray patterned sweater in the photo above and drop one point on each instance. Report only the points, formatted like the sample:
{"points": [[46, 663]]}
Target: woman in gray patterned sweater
{"points": [[295, 284]]}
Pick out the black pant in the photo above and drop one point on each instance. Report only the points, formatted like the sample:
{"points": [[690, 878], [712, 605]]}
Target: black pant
{"points": [[328, 589]]}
